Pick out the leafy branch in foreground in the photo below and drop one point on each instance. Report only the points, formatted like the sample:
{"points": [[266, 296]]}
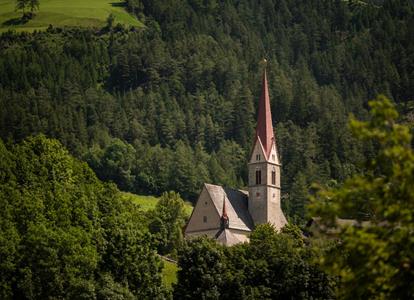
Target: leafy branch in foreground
{"points": [[374, 259], [274, 265]]}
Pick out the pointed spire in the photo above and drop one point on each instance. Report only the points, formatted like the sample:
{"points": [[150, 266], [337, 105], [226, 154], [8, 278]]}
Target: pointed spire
{"points": [[224, 214], [264, 129]]}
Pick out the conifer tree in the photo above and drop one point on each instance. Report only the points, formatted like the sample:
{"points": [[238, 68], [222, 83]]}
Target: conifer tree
{"points": [[33, 5], [21, 5]]}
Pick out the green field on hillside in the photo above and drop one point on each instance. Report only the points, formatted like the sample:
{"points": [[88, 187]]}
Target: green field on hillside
{"points": [[90, 13], [169, 273], [149, 202], [145, 202]]}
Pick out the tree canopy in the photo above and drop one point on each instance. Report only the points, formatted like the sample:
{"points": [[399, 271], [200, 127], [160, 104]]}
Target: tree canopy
{"points": [[272, 266], [167, 222], [374, 258], [65, 234]]}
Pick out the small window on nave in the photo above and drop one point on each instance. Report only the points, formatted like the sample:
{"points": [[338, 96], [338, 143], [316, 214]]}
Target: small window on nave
{"points": [[205, 219]]}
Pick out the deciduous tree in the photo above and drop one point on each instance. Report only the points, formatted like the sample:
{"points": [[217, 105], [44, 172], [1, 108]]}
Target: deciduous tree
{"points": [[374, 258]]}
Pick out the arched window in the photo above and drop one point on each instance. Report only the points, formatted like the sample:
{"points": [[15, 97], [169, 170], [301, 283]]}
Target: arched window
{"points": [[274, 177]]}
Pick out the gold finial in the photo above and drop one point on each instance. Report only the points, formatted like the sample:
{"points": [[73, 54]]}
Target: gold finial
{"points": [[263, 63]]}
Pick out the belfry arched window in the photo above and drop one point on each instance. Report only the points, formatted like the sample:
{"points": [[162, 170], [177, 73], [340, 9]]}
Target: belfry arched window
{"points": [[273, 176]]}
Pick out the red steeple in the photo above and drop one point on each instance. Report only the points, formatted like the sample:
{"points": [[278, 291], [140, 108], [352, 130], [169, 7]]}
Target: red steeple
{"points": [[224, 214], [264, 129]]}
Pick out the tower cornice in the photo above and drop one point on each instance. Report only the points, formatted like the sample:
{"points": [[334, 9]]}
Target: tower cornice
{"points": [[264, 185], [264, 162]]}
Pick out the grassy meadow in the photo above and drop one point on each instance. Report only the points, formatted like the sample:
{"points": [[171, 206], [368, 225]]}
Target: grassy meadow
{"points": [[91, 13], [149, 202], [169, 273]]}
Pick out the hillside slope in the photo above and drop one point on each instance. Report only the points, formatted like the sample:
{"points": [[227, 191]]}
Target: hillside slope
{"points": [[172, 105], [91, 13]]}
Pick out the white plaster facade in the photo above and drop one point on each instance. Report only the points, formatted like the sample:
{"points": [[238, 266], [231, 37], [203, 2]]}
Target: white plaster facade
{"points": [[206, 217], [264, 197]]}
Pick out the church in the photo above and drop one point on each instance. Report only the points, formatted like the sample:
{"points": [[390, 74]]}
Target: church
{"points": [[229, 215]]}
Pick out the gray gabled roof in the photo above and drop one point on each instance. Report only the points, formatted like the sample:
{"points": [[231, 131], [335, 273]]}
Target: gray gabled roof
{"points": [[236, 206], [225, 237]]}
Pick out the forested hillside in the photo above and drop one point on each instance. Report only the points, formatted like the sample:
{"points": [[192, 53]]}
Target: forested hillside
{"points": [[172, 105], [65, 234]]}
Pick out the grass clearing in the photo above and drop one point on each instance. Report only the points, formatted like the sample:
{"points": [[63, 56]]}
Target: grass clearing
{"points": [[149, 202], [169, 273], [145, 202], [59, 13]]}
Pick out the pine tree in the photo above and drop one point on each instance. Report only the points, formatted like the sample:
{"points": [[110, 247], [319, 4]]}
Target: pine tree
{"points": [[21, 5], [33, 5]]}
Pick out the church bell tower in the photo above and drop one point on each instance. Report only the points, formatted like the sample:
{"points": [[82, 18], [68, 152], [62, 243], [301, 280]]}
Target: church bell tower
{"points": [[264, 168]]}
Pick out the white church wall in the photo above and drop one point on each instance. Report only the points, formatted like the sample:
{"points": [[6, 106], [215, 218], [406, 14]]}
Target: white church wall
{"points": [[204, 216], [241, 235]]}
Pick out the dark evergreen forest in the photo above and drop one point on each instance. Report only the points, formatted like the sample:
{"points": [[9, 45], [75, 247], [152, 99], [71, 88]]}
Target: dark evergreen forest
{"points": [[172, 105]]}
